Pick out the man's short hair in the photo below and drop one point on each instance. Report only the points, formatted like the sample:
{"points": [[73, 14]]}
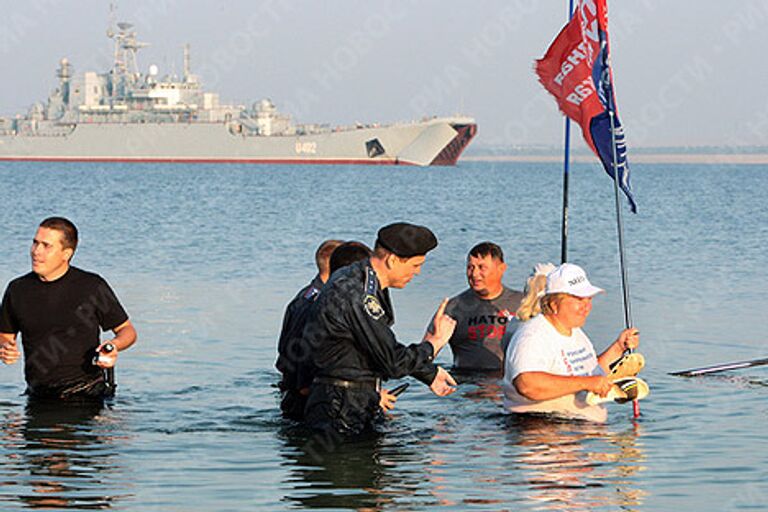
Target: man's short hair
{"points": [[484, 249], [380, 251], [323, 253], [66, 228], [348, 253]]}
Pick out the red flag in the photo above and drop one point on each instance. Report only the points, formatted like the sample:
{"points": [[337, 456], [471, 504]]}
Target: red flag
{"points": [[575, 71], [566, 70]]}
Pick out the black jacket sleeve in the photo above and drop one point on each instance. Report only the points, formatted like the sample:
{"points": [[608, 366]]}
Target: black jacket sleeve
{"points": [[392, 358]]}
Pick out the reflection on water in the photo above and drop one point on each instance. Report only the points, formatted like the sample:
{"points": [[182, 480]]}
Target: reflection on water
{"points": [[741, 381], [58, 455], [483, 386], [328, 471], [561, 463], [488, 461]]}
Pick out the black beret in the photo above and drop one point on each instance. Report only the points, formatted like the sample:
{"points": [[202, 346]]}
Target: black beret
{"points": [[406, 240]]}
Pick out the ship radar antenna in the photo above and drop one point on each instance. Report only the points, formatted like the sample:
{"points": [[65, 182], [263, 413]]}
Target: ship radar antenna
{"points": [[126, 47]]}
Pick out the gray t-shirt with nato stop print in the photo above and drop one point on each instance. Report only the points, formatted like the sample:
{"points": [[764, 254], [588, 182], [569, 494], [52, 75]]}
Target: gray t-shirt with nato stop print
{"points": [[483, 328]]}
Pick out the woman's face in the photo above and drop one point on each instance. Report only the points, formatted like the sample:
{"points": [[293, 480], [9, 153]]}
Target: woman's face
{"points": [[572, 311]]}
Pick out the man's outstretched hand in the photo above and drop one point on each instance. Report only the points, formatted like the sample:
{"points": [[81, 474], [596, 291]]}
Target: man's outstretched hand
{"points": [[443, 385]]}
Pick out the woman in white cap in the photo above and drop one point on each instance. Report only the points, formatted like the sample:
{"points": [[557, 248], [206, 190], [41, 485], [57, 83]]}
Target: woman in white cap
{"points": [[551, 363]]}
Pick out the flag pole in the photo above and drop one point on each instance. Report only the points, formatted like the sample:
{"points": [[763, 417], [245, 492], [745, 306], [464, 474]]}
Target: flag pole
{"points": [[619, 221], [564, 233], [620, 226], [566, 174]]}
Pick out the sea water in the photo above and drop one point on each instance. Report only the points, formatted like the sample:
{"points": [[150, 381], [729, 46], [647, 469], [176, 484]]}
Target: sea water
{"points": [[205, 257]]}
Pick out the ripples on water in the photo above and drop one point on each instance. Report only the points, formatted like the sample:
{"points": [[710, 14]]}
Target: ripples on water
{"points": [[205, 257]]}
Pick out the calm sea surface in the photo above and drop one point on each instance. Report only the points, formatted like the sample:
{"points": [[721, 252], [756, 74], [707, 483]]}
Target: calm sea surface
{"points": [[205, 257]]}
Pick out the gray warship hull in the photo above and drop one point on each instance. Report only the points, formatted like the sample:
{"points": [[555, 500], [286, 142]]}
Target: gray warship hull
{"points": [[438, 141]]}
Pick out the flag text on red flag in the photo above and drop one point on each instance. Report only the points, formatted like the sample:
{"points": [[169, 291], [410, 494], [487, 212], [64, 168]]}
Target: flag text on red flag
{"points": [[576, 71]]}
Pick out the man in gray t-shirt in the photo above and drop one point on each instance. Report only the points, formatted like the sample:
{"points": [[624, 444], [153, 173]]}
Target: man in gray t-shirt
{"points": [[484, 313]]}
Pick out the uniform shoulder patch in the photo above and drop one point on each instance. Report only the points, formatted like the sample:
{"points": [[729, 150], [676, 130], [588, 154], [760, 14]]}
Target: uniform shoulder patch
{"points": [[311, 294], [372, 307]]}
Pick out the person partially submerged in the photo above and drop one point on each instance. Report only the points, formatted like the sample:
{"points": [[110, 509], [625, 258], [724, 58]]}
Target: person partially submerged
{"points": [[295, 361], [352, 343], [60, 312], [484, 312], [551, 364], [292, 356]]}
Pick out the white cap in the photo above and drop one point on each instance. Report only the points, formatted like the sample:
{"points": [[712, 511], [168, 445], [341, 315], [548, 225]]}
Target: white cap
{"points": [[571, 279]]}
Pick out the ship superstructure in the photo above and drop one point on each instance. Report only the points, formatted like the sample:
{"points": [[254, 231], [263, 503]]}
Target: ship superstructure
{"points": [[126, 115]]}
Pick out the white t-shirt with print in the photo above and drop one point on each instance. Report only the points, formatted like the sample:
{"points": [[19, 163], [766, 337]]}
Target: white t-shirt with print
{"points": [[538, 347]]}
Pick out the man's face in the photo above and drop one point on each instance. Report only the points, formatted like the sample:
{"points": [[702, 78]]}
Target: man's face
{"points": [[484, 274], [49, 257], [402, 270]]}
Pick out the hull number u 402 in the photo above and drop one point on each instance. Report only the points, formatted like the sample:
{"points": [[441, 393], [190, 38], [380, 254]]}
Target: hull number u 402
{"points": [[306, 148]]}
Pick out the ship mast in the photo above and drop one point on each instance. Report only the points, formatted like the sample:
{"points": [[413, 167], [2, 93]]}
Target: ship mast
{"points": [[125, 68], [186, 63]]}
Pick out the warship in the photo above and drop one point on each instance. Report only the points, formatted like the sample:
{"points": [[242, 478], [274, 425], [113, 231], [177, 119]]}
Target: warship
{"points": [[125, 115]]}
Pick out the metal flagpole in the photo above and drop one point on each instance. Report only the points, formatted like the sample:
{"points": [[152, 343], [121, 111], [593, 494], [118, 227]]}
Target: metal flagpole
{"points": [[619, 220], [620, 224], [564, 233], [566, 173]]}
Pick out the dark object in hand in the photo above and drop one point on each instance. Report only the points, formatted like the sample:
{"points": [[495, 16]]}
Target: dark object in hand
{"points": [[399, 389]]}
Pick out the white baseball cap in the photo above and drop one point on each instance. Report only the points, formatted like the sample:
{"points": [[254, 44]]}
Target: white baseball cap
{"points": [[571, 279]]}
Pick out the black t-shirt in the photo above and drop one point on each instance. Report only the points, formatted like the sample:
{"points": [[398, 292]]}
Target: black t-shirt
{"points": [[60, 324]]}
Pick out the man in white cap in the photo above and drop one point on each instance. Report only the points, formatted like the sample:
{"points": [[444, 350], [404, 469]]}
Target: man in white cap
{"points": [[551, 362]]}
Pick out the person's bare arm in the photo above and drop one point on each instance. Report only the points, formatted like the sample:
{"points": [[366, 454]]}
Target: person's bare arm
{"points": [[9, 349], [628, 339], [546, 386], [125, 336]]}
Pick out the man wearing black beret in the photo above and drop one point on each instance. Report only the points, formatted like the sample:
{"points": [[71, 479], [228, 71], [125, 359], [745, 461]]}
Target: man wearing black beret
{"points": [[352, 342]]}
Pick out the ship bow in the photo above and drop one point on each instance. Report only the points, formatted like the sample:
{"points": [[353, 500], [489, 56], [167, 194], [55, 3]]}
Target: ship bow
{"points": [[465, 132]]}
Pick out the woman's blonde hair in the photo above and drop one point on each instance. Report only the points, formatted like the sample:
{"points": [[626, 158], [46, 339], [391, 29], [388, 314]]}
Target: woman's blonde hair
{"points": [[530, 306], [534, 301]]}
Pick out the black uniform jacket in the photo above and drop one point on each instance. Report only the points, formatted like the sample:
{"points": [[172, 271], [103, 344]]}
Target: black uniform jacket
{"points": [[293, 359], [349, 331]]}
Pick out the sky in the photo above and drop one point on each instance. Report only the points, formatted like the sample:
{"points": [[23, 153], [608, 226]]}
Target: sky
{"points": [[687, 73]]}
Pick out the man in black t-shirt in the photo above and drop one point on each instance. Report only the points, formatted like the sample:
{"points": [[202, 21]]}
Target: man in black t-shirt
{"points": [[60, 312]]}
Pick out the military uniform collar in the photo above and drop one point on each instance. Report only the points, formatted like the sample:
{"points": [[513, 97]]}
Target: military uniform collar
{"points": [[373, 290], [371, 280]]}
